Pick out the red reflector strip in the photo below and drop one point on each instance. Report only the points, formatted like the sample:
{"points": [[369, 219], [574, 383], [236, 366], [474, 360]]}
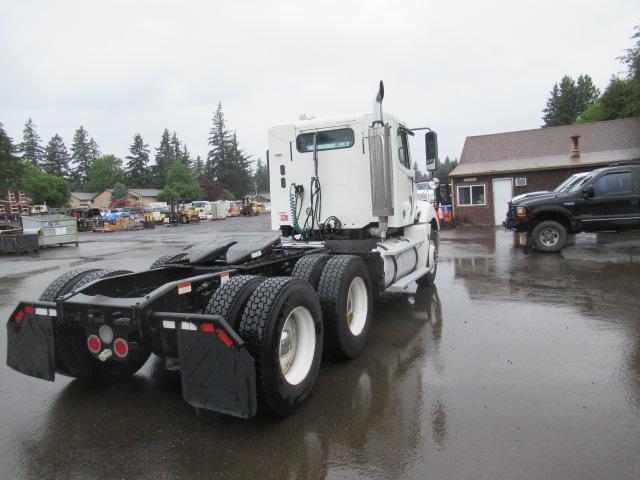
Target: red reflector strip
{"points": [[28, 309], [19, 316], [208, 327], [225, 338]]}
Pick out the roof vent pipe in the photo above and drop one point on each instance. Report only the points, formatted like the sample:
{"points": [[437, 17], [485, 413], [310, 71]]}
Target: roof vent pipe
{"points": [[575, 146]]}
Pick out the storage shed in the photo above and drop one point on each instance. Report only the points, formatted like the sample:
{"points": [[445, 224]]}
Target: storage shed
{"points": [[494, 168]]}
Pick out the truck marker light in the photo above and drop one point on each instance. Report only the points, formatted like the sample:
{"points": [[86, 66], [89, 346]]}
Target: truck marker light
{"points": [[42, 311], [256, 254], [19, 316], [208, 327], [284, 217], [93, 343], [120, 347], [225, 338], [106, 334], [28, 309], [169, 324], [188, 326], [184, 288]]}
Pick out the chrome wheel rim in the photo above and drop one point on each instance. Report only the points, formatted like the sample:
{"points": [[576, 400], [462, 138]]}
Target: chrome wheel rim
{"points": [[549, 237], [297, 345], [357, 306]]}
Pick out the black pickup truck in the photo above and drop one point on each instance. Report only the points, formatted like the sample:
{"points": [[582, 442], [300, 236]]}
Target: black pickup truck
{"points": [[606, 199]]}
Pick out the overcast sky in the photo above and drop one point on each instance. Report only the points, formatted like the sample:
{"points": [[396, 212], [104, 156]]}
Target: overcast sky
{"points": [[462, 68]]}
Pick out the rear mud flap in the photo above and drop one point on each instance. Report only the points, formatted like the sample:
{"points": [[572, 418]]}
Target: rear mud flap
{"points": [[217, 373], [30, 340]]}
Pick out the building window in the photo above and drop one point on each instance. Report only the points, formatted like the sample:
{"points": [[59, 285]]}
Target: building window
{"points": [[326, 139], [521, 181], [471, 195]]}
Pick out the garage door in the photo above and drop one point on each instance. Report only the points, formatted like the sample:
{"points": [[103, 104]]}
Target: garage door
{"points": [[501, 197]]}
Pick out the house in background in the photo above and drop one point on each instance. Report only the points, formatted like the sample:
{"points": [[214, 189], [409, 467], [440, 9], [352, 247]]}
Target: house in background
{"points": [[81, 199], [143, 196], [494, 168]]}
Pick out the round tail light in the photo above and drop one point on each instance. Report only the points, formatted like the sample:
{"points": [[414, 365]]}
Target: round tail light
{"points": [[120, 347], [94, 344]]}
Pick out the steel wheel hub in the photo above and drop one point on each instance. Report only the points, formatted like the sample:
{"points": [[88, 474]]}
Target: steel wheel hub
{"points": [[297, 345], [357, 306], [549, 237]]}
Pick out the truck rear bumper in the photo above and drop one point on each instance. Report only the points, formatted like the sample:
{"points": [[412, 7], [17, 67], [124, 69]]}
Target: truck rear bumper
{"points": [[218, 373]]}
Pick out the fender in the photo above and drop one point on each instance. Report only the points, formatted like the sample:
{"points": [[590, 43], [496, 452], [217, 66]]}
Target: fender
{"points": [[556, 210]]}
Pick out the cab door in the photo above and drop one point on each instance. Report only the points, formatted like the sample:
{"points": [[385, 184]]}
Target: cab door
{"points": [[405, 191], [609, 203]]}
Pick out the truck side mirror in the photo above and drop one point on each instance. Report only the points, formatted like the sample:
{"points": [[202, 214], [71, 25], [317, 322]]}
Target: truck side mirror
{"points": [[431, 148], [588, 191]]}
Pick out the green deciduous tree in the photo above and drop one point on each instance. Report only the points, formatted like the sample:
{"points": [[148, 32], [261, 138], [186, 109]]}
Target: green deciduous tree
{"points": [[81, 155], [44, 188], [104, 173], [621, 98], [138, 171], [119, 191], [31, 147], [11, 168], [181, 183], [56, 158]]}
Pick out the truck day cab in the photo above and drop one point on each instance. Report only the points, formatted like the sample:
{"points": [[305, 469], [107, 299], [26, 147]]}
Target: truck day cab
{"points": [[247, 320]]}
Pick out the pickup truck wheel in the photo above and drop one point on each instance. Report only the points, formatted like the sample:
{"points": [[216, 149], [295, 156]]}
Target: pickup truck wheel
{"points": [[229, 300], [429, 278], [282, 329], [346, 300], [310, 268], [549, 236]]}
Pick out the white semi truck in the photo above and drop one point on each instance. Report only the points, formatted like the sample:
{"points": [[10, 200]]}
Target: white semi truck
{"points": [[247, 319]]}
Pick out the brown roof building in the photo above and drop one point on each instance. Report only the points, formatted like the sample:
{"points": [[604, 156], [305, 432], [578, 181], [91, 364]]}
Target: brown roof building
{"points": [[494, 168]]}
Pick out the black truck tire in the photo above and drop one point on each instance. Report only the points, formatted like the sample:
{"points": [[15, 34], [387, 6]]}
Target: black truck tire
{"points": [[71, 354], [59, 287], [430, 277], [346, 299], [549, 236], [229, 300], [174, 257], [287, 358], [64, 284], [310, 268]]}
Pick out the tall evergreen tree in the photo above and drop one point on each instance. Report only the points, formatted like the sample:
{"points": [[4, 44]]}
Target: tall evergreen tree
{"points": [[30, 147], [176, 146], [81, 154], [138, 173], [240, 180], [261, 177], [198, 167], [94, 150], [10, 165], [56, 158], [185, 156], [568, 100], [164, 157], [217, 164]]}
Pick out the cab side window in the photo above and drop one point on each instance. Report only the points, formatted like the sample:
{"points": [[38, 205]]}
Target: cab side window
{"points": [[403, 149], [613, 184]]}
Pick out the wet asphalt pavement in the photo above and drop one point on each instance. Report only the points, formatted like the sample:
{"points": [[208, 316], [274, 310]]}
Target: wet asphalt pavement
{"points": [[519, 366]]}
